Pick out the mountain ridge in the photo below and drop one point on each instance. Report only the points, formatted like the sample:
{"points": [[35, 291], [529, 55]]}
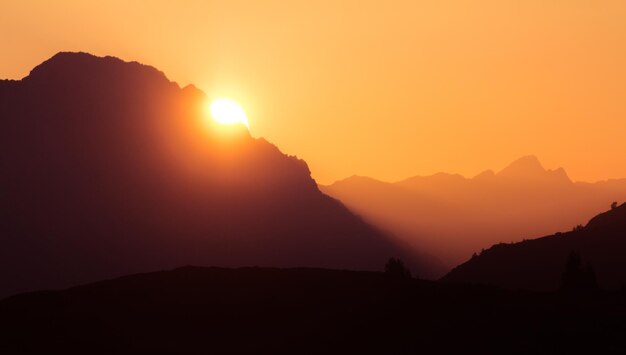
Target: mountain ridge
{"points": [[452, 217], [62, 64]]}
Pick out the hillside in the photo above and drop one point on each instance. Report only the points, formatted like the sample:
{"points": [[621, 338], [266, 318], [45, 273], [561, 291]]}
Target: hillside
{"points": [[538, 264]]}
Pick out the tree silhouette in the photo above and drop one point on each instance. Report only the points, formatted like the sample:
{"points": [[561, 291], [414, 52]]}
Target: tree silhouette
{"points": [[614, 205], [577, 278], [396, 269]]}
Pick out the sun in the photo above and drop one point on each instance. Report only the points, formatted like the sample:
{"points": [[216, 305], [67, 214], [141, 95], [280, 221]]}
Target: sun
{"points": [[228, 112]]}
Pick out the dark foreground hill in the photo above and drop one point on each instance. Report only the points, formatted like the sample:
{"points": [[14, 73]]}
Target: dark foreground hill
{"points": [[108, 168], [255, 310], [538, 264]]}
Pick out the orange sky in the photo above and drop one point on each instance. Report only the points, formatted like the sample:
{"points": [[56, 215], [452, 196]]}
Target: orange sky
{"points": [[386, 89]]}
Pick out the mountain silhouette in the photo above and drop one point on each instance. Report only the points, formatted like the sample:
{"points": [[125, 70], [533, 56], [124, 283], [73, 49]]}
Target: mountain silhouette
{"points": [[452, 217], [538, 264], [528, 170], [194, 310], [108, 168]]}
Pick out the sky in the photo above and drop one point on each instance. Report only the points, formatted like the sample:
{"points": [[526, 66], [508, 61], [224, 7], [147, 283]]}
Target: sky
{"points": [[386, 89]]}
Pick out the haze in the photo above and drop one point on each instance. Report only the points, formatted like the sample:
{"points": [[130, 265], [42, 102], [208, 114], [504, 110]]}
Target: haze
{"points": [[340, 176], [354, 87]]}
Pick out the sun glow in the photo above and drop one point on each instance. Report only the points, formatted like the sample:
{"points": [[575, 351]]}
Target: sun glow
{"points": [[228, 112]]}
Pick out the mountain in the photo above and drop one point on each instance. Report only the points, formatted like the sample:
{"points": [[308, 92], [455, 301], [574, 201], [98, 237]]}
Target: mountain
{"points": [[195, 310], [108, 168], [452, 217], [538, 264], [528, 170]]}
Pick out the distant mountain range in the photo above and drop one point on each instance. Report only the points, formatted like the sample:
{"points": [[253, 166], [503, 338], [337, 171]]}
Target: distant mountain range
{"points": [[108, 168], [538, 264], [452, 217]]}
